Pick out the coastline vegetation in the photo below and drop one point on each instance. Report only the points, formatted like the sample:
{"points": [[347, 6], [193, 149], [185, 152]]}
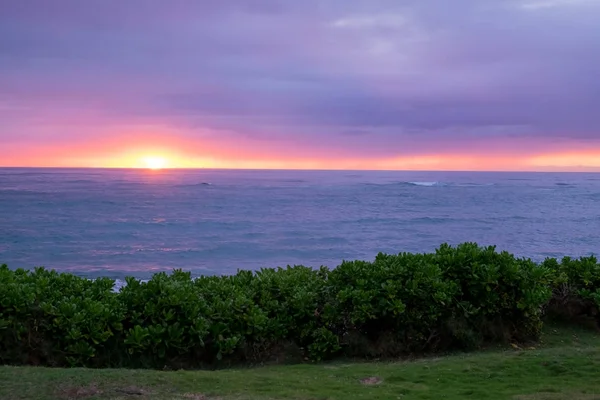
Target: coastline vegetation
{"points": [[562, 366], [456, 299]]}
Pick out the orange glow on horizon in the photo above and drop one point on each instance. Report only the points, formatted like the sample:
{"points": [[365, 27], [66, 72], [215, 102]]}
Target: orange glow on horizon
{"points": [[568, 160], [163, 150], [553, 162]]}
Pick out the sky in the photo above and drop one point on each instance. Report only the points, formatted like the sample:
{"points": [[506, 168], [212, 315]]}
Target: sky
{"points": [[316, 84]]}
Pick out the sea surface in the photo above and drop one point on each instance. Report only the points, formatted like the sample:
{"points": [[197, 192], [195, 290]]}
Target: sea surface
{"points": [[136, 222]]}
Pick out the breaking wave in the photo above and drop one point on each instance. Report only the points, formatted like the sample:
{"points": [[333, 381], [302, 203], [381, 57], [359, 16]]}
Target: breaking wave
{"points": [[429, 184], [438, 184]]}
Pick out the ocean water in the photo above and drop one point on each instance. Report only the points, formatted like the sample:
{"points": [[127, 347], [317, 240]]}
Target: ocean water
{"points": [[136, 222]]}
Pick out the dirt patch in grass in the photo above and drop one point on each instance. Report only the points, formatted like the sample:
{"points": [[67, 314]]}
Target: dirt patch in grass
{"points": [[77, 393], [372, 380], [132, 391]]}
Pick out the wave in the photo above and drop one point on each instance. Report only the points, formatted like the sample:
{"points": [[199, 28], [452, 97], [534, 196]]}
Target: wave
{"points": [[121, 283], [18, 191], [293, 181], [192, 185], [428, 184], [432, 220], [434, 184], [80, 181]]}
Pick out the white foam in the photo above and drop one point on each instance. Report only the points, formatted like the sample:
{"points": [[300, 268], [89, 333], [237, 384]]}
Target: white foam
{"points": [[120, 284], [426, 183]]}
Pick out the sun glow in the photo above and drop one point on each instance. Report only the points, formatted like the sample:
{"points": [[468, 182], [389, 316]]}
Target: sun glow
{"points": [[155, 163]]}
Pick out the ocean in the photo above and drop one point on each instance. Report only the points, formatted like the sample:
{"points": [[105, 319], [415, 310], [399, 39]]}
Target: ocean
{"points": [[119, 223]]}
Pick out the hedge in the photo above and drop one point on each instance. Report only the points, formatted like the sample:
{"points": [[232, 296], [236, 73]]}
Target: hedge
{"points": [[459, 297]]}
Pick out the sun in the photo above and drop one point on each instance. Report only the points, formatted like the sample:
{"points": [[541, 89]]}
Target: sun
{"points": [[155, 162]]}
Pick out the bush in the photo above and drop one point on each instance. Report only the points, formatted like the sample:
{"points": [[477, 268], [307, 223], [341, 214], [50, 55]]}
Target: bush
{"points": [[575, 287], [456, 298], [500, 297], [391, 306], [293, 300], [57, 319]]}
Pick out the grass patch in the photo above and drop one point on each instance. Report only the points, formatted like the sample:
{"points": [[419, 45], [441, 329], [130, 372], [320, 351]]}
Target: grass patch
{"points": [[564, 365]]}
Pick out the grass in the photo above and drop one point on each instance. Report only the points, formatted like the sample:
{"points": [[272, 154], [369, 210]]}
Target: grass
{"points": [[564, 365]]}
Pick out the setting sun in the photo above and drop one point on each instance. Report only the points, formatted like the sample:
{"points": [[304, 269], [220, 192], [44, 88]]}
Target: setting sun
{"points": [[155, 162]]}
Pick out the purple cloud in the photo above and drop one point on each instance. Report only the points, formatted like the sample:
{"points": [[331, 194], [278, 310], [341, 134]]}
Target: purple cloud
{"points": [[360, 76]]}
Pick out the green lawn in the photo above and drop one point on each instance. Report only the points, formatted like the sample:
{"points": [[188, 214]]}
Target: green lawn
{"points": [[565, 365]]}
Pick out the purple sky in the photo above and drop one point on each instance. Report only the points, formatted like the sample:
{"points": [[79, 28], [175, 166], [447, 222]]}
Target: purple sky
{"points": [[345, 79]]}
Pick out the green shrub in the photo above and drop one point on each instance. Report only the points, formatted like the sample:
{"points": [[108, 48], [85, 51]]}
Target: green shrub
{"points": [[293, 300], [456, 298], [575, 287], [165, 320], [56, 319], [500, 297], [393, 305]]}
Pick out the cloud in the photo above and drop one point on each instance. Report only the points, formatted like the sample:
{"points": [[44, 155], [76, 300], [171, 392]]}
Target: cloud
{"points": [[371, 21], [542, 4], [376, 77]]}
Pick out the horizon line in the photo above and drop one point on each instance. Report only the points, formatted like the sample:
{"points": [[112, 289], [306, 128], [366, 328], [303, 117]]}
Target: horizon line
{"points": [[594, 171]]}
